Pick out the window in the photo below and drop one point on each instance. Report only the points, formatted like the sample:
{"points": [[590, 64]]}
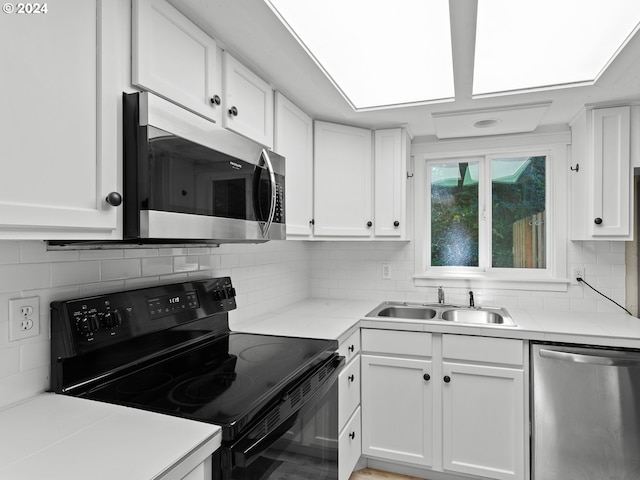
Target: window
{"points": [[509, 212], [495, 217]]}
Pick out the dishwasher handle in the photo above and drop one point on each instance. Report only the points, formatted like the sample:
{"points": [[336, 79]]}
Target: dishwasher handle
{"points": [[626, 360]]}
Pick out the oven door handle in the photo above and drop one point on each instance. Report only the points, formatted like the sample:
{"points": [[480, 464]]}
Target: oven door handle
{"points": [[248, 449]]}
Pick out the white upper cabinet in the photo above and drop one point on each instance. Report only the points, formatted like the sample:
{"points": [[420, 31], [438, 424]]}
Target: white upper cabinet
{"points": [[248, 102], [293, 138], [175, 59], [391, 152], [343, 180], [59, 122], [601, 176]]}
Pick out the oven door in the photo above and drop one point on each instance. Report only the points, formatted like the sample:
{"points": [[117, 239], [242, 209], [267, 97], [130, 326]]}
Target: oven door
{"points": [[304, 446]]}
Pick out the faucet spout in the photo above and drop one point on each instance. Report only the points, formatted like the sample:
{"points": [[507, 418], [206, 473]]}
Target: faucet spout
{"points": [[472, 303], [440, 295]]}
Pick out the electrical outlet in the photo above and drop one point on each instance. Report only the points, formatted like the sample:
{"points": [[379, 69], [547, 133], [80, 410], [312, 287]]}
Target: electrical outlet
{"points": [[386, 271], [24, 318], [578, 272]]}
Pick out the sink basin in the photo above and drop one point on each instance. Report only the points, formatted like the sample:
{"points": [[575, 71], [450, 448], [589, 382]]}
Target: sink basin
{"points": [[406, 311], [468, 315], [443, 313]]}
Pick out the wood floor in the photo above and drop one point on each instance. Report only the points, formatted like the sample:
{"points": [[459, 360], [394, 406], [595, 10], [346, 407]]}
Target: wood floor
{"points": [[371, 474]]}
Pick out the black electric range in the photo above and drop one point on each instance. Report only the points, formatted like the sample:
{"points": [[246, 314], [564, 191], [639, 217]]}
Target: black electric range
{"points": [[168, 349]]}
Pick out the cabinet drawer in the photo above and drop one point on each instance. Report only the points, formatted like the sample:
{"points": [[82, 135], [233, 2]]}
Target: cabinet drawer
{"points": [[348, 391], [350, 347], [396, 342], [349, 447], [483, 349]]}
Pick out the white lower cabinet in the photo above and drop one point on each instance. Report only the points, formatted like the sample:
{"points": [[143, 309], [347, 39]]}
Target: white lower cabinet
{"points": [[349, 430], [397, 411], [457, 405]]}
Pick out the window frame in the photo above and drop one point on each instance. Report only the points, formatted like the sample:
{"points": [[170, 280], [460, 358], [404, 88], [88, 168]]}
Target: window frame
{"points": [[554, 277]]}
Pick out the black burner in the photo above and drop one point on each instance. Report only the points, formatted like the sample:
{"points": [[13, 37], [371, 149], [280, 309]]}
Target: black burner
{"points": [[132, 386], [202, 390]]}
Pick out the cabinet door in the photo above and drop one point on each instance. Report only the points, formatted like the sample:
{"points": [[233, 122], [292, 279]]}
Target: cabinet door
{"points": [[248, 102], [343, 181], [397, 409], [293, 138], [349, 446], [611, 172], [348, 391], [390, 182], [483, 420], [59, 122], [175, 59]]}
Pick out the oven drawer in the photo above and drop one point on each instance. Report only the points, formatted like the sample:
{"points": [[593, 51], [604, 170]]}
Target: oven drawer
{"points": [[349, 446], [350, 347], [348, 391]]}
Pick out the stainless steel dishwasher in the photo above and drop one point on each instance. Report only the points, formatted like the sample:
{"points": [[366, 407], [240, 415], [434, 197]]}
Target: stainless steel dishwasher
{"points": [[586, 413]]}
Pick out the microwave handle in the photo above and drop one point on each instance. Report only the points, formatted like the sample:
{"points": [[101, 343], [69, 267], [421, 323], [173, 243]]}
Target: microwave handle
{"points": [[272, 207]]}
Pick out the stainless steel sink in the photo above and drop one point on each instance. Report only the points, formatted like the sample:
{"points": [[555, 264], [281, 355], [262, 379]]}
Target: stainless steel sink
{"points": [[406, 311], [444, 313], [477, 315]]}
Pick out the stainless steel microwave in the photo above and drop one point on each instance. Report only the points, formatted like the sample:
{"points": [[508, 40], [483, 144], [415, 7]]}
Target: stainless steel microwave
{"points": [[186, 178]]}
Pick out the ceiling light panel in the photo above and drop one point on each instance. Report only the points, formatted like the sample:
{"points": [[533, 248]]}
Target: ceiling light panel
{"points": [[530, 44], [376, 52]]}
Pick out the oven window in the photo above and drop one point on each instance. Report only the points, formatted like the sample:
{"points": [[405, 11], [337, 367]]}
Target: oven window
{"points": [[306, 447]]}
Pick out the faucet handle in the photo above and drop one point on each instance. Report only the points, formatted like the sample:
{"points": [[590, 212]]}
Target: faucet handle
{"points": [[472, 302]]}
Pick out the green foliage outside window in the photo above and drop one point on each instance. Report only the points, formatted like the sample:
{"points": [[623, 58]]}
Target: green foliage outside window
{"points": [[518, 198]]}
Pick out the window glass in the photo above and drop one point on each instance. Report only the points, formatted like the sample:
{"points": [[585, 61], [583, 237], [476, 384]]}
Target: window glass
{"points": [[454, 213], [518, 203]]}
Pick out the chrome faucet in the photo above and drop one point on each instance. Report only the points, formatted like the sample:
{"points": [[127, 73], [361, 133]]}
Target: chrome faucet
{"points": [[472, 303], [440, 295]]}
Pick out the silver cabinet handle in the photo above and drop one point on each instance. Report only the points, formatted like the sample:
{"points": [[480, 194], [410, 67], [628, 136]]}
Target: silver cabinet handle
{"points": [[613, 361]]}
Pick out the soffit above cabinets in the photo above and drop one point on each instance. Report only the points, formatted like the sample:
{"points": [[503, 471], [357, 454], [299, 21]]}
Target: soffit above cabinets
{"points": [[490, 121]]}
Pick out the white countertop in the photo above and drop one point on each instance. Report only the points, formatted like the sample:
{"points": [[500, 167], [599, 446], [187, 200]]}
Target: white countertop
{"points": [[56, 437], [337, 319]]}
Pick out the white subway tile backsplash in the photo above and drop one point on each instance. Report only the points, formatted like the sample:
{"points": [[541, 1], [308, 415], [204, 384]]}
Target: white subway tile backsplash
{"points": [[157, 266], [9, 361], [75, 273], [121, 269], [10, 252], [185, 264], [24, 276], [34, 355]]}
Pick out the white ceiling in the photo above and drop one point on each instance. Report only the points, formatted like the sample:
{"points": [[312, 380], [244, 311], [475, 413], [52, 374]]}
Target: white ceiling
{"points": [[250, 31]]}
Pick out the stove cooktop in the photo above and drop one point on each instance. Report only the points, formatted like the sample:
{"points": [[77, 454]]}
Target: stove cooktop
{"points": [[220, 382]]}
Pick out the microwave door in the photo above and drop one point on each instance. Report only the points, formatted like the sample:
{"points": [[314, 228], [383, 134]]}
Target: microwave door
{"points": [[264, 193]]}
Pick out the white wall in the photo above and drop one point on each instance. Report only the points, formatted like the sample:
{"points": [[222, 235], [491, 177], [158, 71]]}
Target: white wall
{"points": [[353, 270], [266, 276]]}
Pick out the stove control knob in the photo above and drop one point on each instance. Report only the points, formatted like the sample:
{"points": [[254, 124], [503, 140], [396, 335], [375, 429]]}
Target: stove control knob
{"points": [[112, 319], [230, 292], [88, 324]]}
